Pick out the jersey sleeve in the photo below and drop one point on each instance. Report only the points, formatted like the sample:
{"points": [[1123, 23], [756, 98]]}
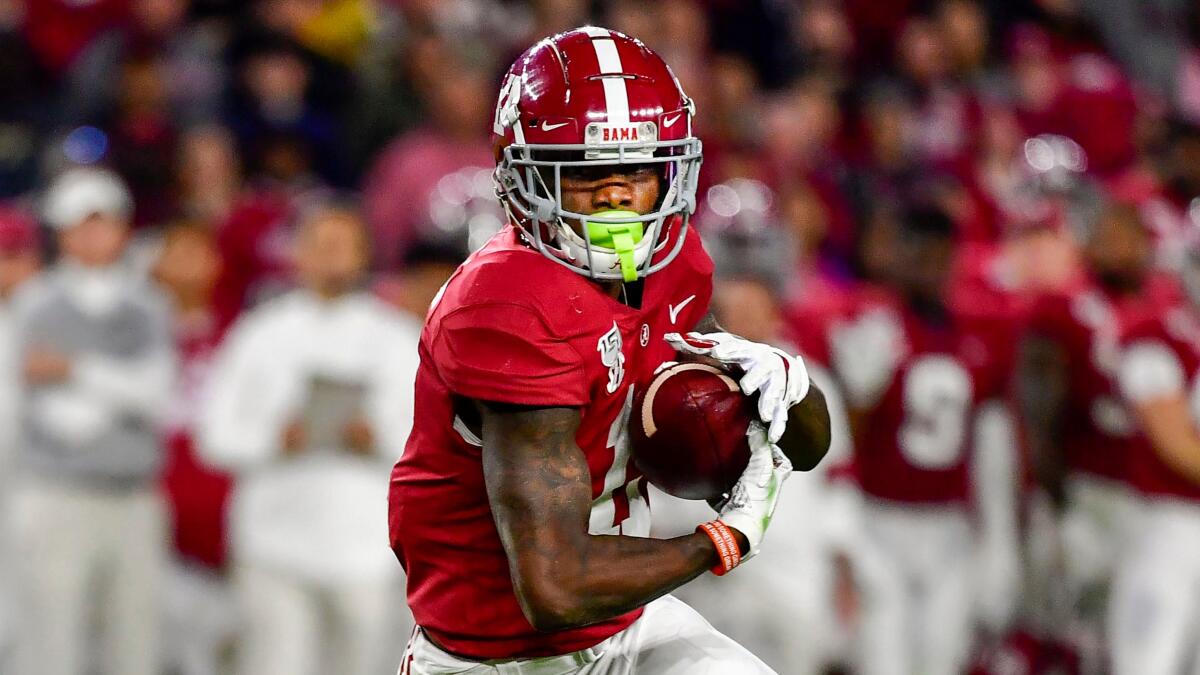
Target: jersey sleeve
{"points": [[506, 353], [1150, 370]]}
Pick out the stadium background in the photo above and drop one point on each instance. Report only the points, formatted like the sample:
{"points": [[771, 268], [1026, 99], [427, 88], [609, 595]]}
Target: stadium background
{"points": [[231, 122]]}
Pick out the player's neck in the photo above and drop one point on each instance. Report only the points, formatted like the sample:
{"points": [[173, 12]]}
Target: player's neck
{"points": [[629, 294]]}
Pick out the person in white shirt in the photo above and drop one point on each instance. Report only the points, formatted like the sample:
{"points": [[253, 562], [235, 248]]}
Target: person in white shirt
{"points": [[97, 365], [19, 261], [310, 403]]}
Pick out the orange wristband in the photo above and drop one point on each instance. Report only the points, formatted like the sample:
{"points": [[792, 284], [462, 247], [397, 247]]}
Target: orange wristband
{"points": [[722, 537]]}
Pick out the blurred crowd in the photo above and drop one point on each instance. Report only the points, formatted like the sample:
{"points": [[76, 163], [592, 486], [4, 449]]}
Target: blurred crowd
{"points": [[221, 224]]}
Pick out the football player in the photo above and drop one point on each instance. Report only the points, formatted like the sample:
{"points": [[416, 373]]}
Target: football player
{"points": [[1079, 431], [917, 375], [515, 510], [1156, 589]]}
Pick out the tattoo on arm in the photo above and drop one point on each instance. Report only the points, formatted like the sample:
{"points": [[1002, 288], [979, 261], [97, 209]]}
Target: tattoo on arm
{"points": [[539, 488]]}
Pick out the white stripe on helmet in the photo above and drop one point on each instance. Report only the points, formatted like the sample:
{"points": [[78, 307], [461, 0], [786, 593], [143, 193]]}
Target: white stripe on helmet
{"points": [[616, 95]]}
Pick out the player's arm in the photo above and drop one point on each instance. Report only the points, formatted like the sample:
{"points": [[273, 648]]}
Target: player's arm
{"points": [[806, 437], [1168, 424], [539, 488], [1152, 380], [1042, 397]]}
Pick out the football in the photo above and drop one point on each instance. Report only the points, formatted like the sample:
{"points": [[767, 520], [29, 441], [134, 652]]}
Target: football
{"points": [[688, 431]]}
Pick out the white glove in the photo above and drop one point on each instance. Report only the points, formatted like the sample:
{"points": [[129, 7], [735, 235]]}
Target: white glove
{"points": [[780, 379], [753, 498]]}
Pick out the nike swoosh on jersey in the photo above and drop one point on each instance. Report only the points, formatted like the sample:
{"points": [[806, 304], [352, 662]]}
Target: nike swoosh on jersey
{"points": [[668, 121], [546, 126], [673, 310]]}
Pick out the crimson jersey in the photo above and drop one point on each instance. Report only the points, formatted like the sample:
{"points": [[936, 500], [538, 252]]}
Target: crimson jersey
{"points": [[1161, 358], [918, 385], [513, 326], [1098, 435]]}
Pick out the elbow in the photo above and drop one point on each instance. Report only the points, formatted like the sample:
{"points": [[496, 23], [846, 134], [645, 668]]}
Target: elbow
{"points": [[808, 435], [808, 459], [551, 605]]}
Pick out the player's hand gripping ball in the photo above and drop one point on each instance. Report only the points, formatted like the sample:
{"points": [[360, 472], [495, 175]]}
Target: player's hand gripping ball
{"points": [[779, 379], [688, 431]]}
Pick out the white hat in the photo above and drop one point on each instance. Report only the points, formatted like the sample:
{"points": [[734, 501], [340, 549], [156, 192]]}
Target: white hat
{"points": [[81, 192]]}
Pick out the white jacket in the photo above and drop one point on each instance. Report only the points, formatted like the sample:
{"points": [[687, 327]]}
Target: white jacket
{"points": [[321, 514]]}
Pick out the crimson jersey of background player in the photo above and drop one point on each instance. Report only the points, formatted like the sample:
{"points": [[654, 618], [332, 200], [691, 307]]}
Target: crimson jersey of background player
{"points": [[1096, 432], [1161, 357], [514, 327], [515, 510], [916, 373], [1157, 586], [914, 370], [1075, 420]]}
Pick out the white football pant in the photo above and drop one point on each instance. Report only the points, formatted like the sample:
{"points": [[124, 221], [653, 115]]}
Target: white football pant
{"points": [[1096, 531], [1155, 609], [670, 638], [929, 570]]}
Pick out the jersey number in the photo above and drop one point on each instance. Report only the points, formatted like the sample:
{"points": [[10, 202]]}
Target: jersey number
{"points": [[937, 401], [620, 508]]}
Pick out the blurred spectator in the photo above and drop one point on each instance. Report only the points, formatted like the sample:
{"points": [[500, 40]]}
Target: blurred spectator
{"points": [[337, 30], [947, 114], [24, 90], [398, 188], [19, 262], [309, 403], [59, 30], [826, 40], [964, 28], [286, 125], [886, 168], [425, 269], [98, 365], [142, 138], [208, 175], [463, 215], [187, 54], [201, 619], [1150, 41]]}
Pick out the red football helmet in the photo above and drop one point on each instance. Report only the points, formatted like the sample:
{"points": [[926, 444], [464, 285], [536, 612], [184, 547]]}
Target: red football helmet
{"points": [[585, 98]]}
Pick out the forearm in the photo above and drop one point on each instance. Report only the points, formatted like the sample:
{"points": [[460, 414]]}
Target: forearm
{"points": [[595, 583], [139, 386], [1168, 425], [539, 488]]}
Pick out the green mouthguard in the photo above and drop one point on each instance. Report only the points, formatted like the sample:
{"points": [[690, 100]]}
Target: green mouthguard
{"points": [[620, 237]]}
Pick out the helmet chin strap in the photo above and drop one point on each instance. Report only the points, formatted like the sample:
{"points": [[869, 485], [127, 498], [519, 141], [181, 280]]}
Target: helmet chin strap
{"points": [[620, 237]]}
